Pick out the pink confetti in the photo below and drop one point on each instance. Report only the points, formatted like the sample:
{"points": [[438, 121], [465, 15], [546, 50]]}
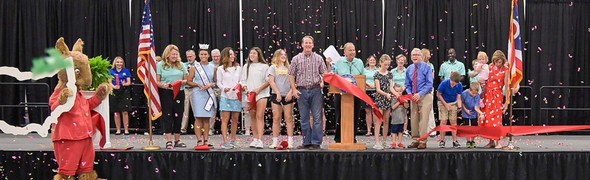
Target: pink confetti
{"points": [[126, 167], [150, 159], [579, 69], [157, 170]]}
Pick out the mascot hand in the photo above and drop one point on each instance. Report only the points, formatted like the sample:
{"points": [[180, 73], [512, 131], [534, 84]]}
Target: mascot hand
{"points": [[63, 96], [103, 90]]}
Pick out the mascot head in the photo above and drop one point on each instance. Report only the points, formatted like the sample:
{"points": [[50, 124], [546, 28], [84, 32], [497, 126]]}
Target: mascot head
{"points": [[82, 68]]}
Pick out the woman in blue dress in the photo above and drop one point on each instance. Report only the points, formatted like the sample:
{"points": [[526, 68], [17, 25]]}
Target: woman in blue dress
{"points": [[203, 98]]}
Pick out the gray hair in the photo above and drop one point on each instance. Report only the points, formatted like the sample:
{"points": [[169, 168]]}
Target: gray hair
{"points": [[214, 51]]}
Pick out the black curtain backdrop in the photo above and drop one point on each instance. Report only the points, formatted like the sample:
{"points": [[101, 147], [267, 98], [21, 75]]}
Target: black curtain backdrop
{"points": [[312, 165], [555, 32]]}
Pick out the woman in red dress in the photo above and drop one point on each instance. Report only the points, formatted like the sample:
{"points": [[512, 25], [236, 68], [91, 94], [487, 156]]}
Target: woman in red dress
{"points": [[495, 105]]}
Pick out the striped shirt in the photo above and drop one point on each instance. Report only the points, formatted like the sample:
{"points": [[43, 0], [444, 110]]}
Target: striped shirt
{"points": [[307, 69]]}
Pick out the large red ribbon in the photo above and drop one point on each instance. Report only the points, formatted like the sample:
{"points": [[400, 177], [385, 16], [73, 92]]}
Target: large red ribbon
{"points": [[336, 80], [502, 131], [98, 122], [239, 90]]}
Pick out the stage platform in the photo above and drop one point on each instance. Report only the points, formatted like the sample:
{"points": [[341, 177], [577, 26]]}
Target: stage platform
{"points": [[537, 157]]}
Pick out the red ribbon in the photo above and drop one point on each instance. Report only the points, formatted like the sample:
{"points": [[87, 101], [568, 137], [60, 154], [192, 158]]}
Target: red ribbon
{"points": [[336, 80], [405, 98], [176, 87], [252, 99], [239, 88], [502, 131], [98, 122]]}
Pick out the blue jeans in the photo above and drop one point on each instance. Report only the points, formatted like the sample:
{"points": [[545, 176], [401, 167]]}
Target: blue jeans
{"points": [[311, 100]]}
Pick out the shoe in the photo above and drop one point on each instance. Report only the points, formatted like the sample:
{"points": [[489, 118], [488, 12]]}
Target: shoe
{"points": [[406, 133], [473, 144], [456, 144], [183, 131], [118, 133], [274, 145], [235, 144], [378, 146], [441, 144], [400, 145], [207, 143], [498, 146], [414, 144], [253, 143], [259, 144], [227, 146], [422, 145], [247, 133], [491, 144], [169, 145], [369, 134], [314, 147], [126, 133], [179, 144], [304, 146], [211, 132]]}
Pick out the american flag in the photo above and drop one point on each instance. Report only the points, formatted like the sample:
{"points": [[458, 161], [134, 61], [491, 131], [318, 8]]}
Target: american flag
{"points": [[515, 47], [146, 64]]}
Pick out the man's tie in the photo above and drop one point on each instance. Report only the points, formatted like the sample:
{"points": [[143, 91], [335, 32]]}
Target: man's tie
{"points": [[415, 82]]}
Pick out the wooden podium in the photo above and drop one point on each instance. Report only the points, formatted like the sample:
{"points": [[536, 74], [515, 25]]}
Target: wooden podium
{"points": [[347, 118]]}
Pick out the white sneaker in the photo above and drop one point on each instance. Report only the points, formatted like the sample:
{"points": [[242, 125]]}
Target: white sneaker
{"points": [[260, 144], [211, 132], [290, 142], [227, 146], [253, 143], [378, 146], [234, 144], [273, 145], [247, 133]]}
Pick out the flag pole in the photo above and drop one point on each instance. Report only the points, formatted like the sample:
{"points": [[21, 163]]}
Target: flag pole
{"points": [[151, 145], [510, 145]]}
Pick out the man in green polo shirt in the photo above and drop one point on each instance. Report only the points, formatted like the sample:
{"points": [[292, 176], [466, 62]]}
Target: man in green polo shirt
{"points": [[347, 65], [452, 65]]}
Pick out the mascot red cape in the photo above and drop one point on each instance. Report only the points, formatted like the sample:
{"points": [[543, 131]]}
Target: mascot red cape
{"points": [[72, 135]]}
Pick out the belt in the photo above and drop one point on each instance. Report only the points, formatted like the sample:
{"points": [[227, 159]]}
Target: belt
{"points": [[309, 87]]}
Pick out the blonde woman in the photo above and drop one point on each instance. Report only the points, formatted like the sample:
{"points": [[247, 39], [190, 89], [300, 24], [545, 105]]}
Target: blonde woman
{"points": [[171, 70], [122, 104], [228, 76], [281, 97], [370, 70]]}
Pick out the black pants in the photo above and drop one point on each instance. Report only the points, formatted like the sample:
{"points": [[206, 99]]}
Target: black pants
{"points": [[338, 106], [172, 110]]}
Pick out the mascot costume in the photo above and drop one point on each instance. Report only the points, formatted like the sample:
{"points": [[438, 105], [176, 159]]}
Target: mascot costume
{"points": [[72, 135]]}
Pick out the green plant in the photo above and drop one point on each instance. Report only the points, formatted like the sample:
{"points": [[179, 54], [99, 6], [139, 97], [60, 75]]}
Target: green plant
{"points": [[100, 68]]}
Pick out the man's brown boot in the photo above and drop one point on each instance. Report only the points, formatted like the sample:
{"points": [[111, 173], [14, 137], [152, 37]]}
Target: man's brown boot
{"points": [[414, 144]]}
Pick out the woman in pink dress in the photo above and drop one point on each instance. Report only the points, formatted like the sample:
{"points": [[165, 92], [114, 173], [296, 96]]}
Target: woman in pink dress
{"points": [[495, 105]]}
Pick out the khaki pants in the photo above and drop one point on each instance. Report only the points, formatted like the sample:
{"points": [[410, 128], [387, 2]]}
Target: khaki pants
{"points": [[188, 94], [447, 114], [419, 114]]}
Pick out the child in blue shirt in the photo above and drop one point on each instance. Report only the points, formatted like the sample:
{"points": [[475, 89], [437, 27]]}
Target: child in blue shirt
{"points": [[470, 111]]}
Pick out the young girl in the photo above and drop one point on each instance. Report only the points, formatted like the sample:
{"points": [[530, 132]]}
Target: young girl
{"points": [[228, 76], [255, 79], [383, 85], [470, 111], [171, 70], [281, 97], [121, 92], [398, 118]]}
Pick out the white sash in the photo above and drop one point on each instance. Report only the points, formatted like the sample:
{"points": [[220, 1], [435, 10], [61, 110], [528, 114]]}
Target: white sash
{"points": [[210, 101]]}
